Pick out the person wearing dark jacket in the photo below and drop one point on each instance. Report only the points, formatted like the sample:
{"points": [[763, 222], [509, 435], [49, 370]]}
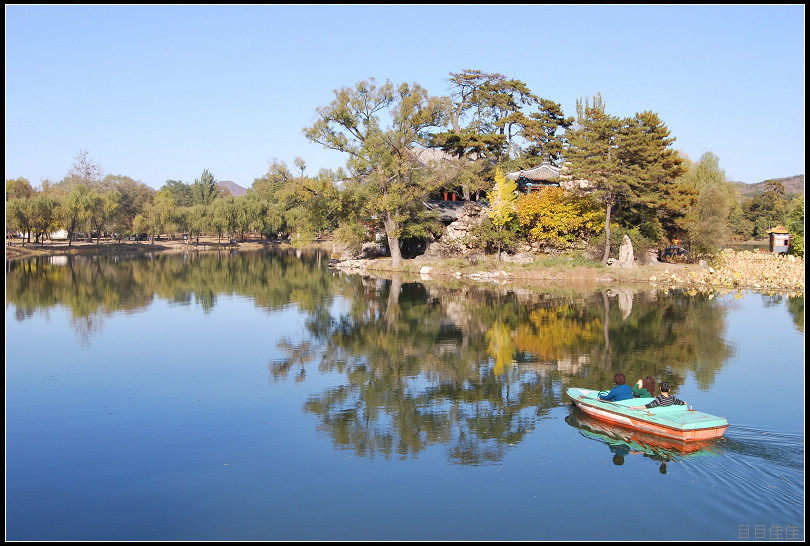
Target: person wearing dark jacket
{"points": [[620, 391], [663, 399]]}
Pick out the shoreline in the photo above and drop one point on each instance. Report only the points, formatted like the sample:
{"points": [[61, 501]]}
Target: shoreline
{"points": [[736, 270]]}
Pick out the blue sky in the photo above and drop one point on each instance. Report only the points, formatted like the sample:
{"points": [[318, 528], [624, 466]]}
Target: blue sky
{"points": [[161, 93]]}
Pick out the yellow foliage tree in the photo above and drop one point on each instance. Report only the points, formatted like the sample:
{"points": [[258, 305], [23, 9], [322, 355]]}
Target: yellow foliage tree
{"points": [[502, 200], [501, 347], [555, 216]]}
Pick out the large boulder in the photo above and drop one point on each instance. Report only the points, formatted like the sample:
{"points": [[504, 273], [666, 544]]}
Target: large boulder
{"points": [[626, 258]]}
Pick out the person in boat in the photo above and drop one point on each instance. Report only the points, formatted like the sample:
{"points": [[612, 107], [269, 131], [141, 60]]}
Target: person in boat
{"points": [[620, 392], [644, 388], [663, 399]]}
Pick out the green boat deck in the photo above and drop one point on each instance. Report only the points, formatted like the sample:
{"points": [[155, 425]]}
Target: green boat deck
{"points": [[679, 416]]}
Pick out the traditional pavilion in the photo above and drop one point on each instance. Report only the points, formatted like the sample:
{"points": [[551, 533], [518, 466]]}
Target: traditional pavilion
{"points": [[542, 176], [779, 239]]}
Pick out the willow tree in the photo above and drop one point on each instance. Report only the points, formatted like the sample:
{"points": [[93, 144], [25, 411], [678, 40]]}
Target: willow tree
{"points": [[393, 182], [74, 210], [709, 227]]}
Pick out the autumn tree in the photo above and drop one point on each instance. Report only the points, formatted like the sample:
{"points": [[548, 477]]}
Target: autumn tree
{"points": [[266, 188], [224, 216], [102, 207], [311, 204], [43, 215], [501, 211], [380, 157], [557, 217], [193, 220], [183, 194], [160, 214], [85, 170], [140, 224], [134, 196]]}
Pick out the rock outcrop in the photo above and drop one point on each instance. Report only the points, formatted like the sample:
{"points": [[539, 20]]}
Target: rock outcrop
{"points": [[457, 236]]}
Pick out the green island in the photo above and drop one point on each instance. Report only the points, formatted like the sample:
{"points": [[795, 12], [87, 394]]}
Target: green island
{"points": [[490, 182]]}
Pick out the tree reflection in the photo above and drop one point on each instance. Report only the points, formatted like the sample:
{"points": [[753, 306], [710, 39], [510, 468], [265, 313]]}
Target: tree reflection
{"points": [[475, 368], [297, 354], [470, 367], [94, 286]]}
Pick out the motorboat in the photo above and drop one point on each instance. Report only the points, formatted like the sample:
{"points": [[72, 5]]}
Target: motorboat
{"points": [[678, 422]]}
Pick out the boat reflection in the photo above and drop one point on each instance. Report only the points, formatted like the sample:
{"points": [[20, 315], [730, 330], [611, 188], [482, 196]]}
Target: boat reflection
{"points": [[623, 441]]}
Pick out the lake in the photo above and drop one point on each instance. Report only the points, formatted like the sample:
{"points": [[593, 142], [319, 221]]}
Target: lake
{"points": [[263, 396]]}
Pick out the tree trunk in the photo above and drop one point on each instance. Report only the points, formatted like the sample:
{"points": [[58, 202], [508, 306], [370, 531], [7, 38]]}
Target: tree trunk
{"points": [[606, 255], [393, 239], [392, 309]]}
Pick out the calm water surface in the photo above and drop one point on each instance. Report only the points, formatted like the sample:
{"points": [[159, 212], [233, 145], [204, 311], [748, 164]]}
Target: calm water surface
{"points": [[264, 397]]}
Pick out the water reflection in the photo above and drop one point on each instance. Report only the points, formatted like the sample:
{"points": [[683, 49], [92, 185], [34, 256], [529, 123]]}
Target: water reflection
{"points": [[623, 442], [470, 367]]}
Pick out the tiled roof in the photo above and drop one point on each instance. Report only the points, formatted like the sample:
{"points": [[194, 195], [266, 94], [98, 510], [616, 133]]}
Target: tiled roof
{"points": [[545, 171]]}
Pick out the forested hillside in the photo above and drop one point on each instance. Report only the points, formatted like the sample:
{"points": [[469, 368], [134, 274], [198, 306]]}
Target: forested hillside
{"points": [[794, 185]]}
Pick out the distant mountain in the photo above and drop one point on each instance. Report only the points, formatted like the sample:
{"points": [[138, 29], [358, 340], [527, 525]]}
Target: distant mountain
{"points": [[794, 185], [231, 187]]}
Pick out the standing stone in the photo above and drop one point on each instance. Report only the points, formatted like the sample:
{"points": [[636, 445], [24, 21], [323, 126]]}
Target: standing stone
{"points": [[626, 258]]}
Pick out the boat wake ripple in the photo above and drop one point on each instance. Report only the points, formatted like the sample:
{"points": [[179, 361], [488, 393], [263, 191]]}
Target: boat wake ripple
{"points": [[753, 460]]}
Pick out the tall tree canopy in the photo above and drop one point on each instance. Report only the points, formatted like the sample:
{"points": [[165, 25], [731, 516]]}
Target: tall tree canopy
{"points": [[491, 121], [708, 228], [657, 201], [380, 159], [632, 168], [593, 155], [204, 189]]}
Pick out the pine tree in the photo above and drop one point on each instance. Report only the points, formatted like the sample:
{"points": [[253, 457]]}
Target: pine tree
{"points": [[632, 169], [593, 156]]}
